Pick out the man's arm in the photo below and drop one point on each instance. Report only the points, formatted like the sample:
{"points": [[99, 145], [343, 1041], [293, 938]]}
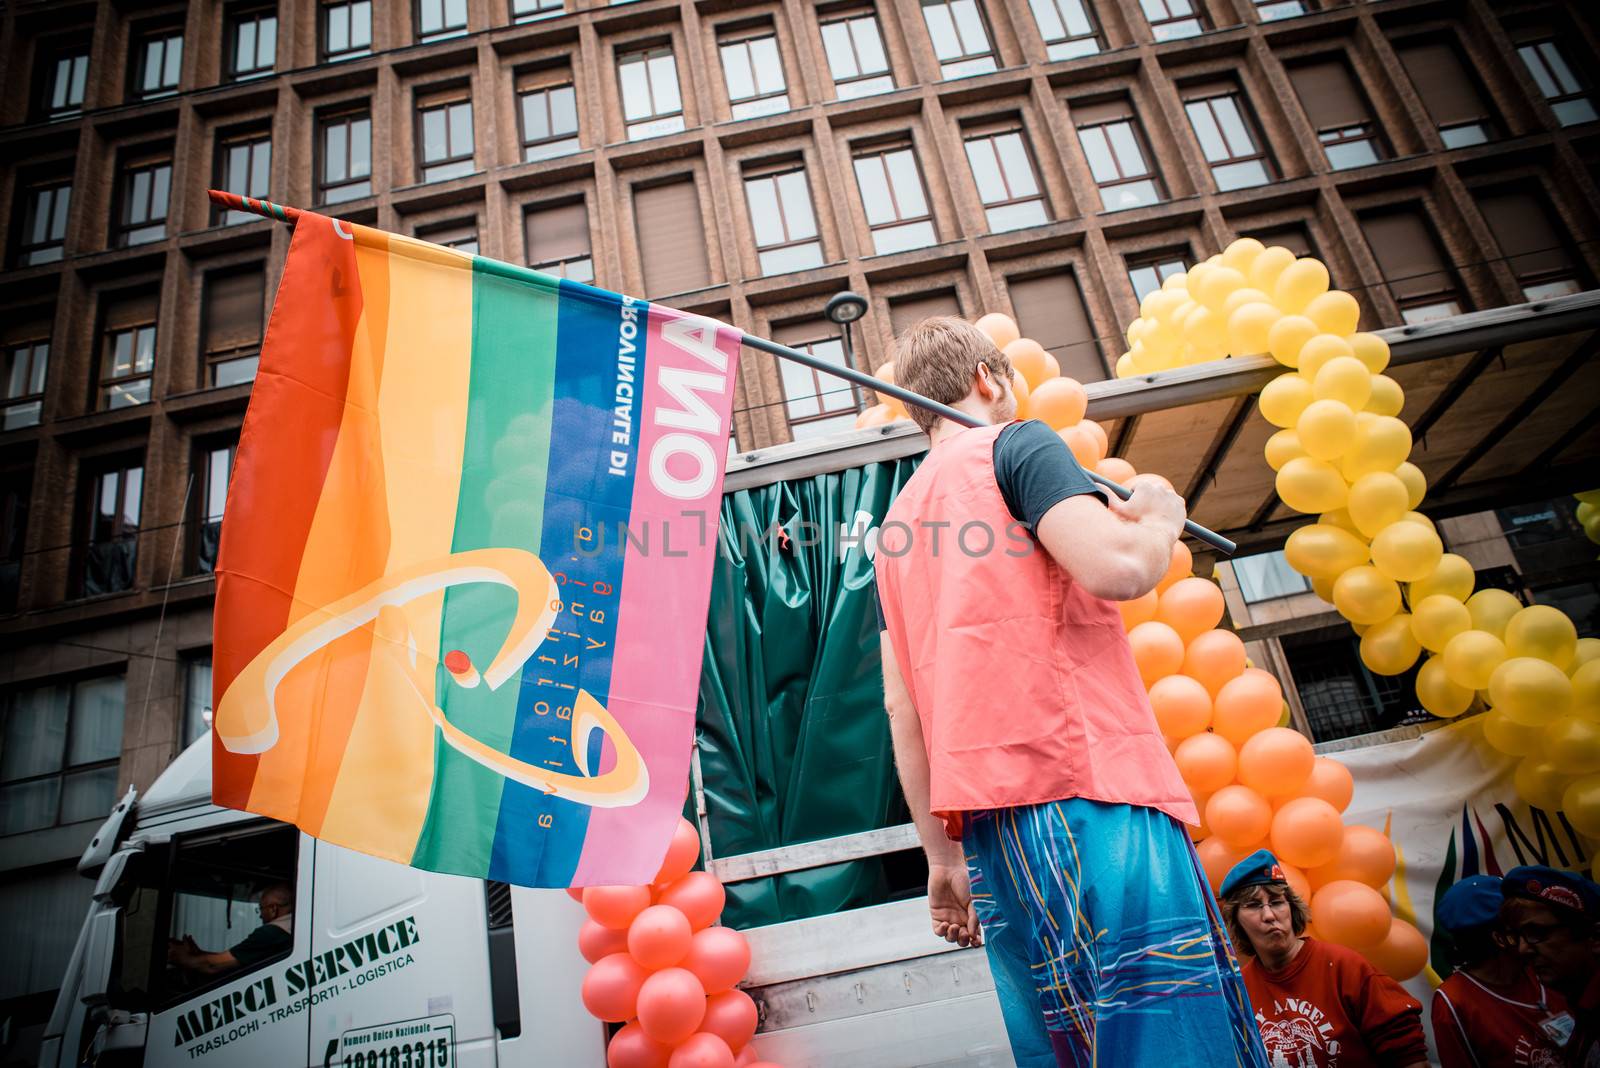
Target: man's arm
{"points": [[949, 893], [193, 959], [1117, 550]]}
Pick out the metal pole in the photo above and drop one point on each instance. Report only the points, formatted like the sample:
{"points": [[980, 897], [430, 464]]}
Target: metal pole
{"points": [[784, 352]]}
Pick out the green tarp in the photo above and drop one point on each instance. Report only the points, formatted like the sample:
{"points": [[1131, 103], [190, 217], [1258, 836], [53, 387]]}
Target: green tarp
{"points": [[794, 744]]}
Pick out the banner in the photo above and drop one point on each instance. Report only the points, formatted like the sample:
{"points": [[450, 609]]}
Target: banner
{"points": [[465, 565]]}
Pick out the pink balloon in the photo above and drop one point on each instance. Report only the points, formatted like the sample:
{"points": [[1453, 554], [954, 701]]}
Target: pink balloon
{"points": [[615, 906], [595, 941], [671, 1005], [702, 1051], [719, 957], [700, 895], [611, 988], [682, 852], [632, 1048], [732, 1017], [659, 937]]}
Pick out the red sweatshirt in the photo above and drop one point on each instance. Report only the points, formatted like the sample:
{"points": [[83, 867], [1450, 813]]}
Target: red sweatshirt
{"points": [[1331, 1009], [1474, 1027]]}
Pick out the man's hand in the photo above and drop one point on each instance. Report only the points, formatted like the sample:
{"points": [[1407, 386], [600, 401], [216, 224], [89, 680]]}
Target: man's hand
{"points": [[950, 905], [1153, 502]]}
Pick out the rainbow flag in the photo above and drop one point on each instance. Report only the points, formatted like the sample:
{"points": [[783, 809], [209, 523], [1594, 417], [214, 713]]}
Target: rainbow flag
{"points": [[466, 560]]}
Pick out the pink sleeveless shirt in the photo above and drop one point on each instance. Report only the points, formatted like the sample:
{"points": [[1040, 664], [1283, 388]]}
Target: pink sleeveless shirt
{"points": [[1024, 682]]}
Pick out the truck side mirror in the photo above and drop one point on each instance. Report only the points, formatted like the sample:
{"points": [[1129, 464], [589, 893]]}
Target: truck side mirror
{"points": [[105, 840], [101, 931]]}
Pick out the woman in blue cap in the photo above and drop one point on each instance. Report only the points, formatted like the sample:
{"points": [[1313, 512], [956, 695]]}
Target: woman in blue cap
{"points": [[1318, 1004], [1552, 918], [1490, 1011]]}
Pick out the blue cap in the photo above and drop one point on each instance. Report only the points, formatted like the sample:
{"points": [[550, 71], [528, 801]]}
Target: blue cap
{"points": [[1473, 902], [1551, 886], [1257, 869]]}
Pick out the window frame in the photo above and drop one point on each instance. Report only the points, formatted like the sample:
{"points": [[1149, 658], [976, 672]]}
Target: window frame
{"points": [[250, 138], [544, 9], [348, 115], [37, 375], [65, 769], [202, 516], [880, 150], [446, 30], [1196, 14], [1141, 144], [325, 12], [139, 69], [773, 172], [236, 18], [211, 359], [992, 132], [544, 83], [758, 103], [1157, 262], [89, 493], [32, 193], [440, 233], [191, 662], [963, 64], [1306, 7], [559, 268], [1580, 91], [76, 57], [106, 382], [151, 162], [826, 386], [1245, 114], [16, 489], [866, 80], [1069, 45], [646, 126], [444, 99]]}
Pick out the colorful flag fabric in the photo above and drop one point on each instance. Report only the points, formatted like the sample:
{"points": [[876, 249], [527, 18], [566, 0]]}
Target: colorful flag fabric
{"points": [[464, 571]]}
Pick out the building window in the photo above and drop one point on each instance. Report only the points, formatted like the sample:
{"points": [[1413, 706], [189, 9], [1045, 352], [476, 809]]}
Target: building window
{"points": [[672, 238], [460, 234], [856, 57], [548, 113], [437, 19], [558, 240], [1008, 184], [754, 73], [58, 761], [1147, 274], [128, 353], [651, 104], [234, 301], [158, 63], [142, 201], [781, 215], [528, 10], [344, 166], [1531, 243], [213, 466], [44, 224], [444, 134], [1340, 696], [1561, 86], [252, 42], [960, 39], [346, 29], [15, 486], [243, 164], [1228, 139], [66, 76], [196, 698], [1271, 10], [1267, 576], [893, 197], [1118, 158], [1453, 101], [1172, 19], [112, 497], [1413, 265], [1339, 113], [26, 364], [1068, 28], [1049, 308], [815, 403]]}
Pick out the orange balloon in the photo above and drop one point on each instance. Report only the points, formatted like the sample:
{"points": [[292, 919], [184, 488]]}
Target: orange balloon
{"points": [[1052, 366], [1001, 328], [632, 1048], [1276, 762], [1365, 856], [1116, 469], [1213, 658], [884, 372], [1206, 761], [1351, 913], [1099, 433], [1059, 402], [610, 989], [1251, 701], [671, 1005], [876, 415], [1181, 705], [1020, 385], [719, 957], [1331, 781], [1402, 954], [1180, 568], [1297, 881], [1027, 359], [682, 852], [1139, 610], [1239, 816], [659, 937], [615, 906], [1191, 606], [699, 895], [732, 1017], [1306, 832], [596, 941], [1084, 445], [702, 1050], [1218, 859], [1157, 650]]}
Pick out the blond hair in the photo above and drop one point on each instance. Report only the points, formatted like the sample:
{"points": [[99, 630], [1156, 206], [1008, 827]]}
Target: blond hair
{"points": [[939, 358], [1299, 914]]}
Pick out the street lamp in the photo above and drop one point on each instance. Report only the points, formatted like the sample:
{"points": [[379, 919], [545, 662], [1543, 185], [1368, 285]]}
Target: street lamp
{"points": [[845, 308]]}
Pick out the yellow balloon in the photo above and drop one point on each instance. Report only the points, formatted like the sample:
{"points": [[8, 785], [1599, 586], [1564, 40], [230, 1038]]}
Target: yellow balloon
{"points": [[1389, 648], [1587, 649], [1572, 744], [1321, 550], [1284, 398], [1382, 444], [1245, 295], [1326, 428], [1319, 350], [1310, 485], [1436, 692], [1323, 588], [1492, 610], [1195, 275], [1581, 802], [1340, 517], [1202, 326], [1544, 632], [1159, 304], [1335, 311], [1471, 657], [1451, 577], [1385, 396], [1125, 368], [1365, 595], [1176, 281], [1416, 482], [1539, 783], [1371, 350], [1436, 619], [1283, 447], [1287, 336], [1215, 286], [1241, 253], [1406, 551], [1586, 690], [1377, 500], [1248, 327], [1509, 736], [1343, 378], [1267, 266], [1300, 283], [1136, 330], [1420, 520], [1530, 690]]}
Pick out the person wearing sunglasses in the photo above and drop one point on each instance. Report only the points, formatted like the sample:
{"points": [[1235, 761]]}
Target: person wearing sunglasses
{"points": [[1552, 919], [274, 936]]}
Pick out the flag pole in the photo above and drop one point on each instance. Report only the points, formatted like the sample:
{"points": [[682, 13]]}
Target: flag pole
{"points": [[268, 210]]}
